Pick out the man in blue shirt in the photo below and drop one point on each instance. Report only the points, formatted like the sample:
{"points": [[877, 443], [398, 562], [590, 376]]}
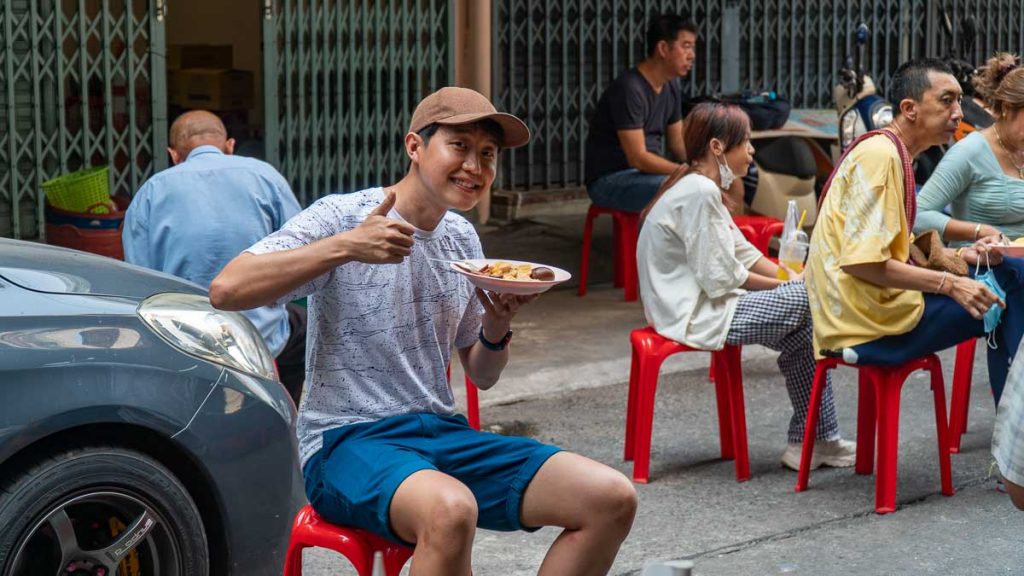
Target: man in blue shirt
{"points": [[193, 218]]}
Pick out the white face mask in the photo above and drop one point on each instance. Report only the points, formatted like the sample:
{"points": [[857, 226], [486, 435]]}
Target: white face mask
{"points": [[726, 174]]}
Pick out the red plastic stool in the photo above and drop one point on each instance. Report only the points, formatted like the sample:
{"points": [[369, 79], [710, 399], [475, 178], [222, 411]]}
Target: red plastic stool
{"points": [[878, 410], [763, 228], [472, 405], [472, 401], [649, 351], [310, 530], [960, 401], [626, 228]]}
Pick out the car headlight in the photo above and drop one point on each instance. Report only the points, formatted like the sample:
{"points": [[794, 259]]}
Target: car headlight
{"points": [[189, 323], [881, 116]]}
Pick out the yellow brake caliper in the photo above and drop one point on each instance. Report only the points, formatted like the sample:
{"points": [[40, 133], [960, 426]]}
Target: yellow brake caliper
{"points": [[130, 565]]}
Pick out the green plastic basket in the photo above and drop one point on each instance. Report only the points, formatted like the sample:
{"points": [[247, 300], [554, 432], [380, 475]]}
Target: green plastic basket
{"points": [[79, 191]]}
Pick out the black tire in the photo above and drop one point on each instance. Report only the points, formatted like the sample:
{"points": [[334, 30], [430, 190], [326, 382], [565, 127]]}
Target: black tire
{"points": [[116, 504]]}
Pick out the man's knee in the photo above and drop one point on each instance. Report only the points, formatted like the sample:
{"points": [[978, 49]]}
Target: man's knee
{"points": [[613, 499], [452, 513]]}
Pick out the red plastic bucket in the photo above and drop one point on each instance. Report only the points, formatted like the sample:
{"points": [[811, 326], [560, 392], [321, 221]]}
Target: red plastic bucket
{"points": [[96, 233]]}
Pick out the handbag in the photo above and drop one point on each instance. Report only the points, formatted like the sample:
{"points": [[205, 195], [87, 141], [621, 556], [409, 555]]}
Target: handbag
{"points": [[927, 251], [766, 112]]}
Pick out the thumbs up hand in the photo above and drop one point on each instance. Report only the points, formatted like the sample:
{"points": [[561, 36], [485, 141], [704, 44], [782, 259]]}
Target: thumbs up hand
{"points": [[379, 239]]}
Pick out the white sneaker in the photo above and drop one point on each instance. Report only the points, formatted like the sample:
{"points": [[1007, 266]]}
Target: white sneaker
{"points": [[837, 453]]}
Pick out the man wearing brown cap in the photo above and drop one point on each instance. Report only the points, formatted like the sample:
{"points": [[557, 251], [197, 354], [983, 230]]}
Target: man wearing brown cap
{"points": [[381, 447]]}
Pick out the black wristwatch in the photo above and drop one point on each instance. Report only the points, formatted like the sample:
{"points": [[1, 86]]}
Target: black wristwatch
{"points": [[497, 347]]}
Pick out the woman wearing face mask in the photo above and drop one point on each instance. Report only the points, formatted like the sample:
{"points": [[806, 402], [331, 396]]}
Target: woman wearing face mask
{"points": [[704, 285]]}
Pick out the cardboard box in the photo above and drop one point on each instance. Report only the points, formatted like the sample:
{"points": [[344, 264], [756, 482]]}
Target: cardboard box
{"points": [[182, 56], [211, 89]]}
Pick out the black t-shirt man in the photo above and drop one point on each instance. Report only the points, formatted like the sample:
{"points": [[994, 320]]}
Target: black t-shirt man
{"points": [[630, 102], [637, 116]]}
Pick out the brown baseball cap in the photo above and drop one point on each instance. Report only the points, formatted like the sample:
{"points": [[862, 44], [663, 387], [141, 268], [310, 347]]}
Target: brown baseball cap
{"points": [[452, 106]]}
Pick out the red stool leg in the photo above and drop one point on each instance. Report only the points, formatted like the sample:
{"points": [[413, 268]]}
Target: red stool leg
{"points": [[811, 424], [472, 405], [647, 386], [941, 430], [395, 558], [588, 233], [627, 244], [620, 263], [738, 414], [960, 402], [887, 389], [293, 558], [711, 369], [867, 422], [631, 401], [723, 399]]}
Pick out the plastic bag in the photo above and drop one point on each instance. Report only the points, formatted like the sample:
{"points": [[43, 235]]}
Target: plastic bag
{"points": [[793, 244]]}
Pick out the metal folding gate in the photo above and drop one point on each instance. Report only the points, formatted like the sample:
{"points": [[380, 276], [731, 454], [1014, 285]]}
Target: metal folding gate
{"points": [[341, 79], [79, 87], [553, 58]]}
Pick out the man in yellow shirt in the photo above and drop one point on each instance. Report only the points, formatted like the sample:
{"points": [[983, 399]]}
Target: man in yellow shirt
{"points": [[868, 303]]}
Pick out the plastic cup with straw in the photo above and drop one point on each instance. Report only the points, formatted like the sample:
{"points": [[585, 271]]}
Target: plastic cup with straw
{"points": [[793, 250]]}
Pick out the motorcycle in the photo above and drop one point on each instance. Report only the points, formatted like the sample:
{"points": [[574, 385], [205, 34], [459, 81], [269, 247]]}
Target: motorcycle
{"points": [[785, 168], [860, 107]]}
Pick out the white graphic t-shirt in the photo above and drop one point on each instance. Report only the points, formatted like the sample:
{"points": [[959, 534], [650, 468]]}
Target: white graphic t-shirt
{"points": [[380, 336]]}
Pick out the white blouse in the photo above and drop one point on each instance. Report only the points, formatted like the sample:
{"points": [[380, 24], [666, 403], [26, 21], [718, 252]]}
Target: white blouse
{"points": [[692, 259]]}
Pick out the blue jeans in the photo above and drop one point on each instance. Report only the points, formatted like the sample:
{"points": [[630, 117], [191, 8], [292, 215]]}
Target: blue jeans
{"points": [[945, 323], [628, 190]]}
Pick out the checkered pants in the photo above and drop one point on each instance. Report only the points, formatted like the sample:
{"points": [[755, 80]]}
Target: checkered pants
{"points": [[781, 320]]}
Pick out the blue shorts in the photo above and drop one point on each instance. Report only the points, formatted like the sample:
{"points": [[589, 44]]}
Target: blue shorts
{"points": [[354, 476]]}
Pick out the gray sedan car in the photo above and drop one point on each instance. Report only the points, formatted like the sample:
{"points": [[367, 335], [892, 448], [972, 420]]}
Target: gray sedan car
{"points": [[142, 432]]}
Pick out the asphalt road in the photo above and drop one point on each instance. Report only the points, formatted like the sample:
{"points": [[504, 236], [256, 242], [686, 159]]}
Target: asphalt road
{"points": [[694, 509]]}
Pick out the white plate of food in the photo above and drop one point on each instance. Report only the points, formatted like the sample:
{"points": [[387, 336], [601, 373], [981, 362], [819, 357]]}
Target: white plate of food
{"points": [[510, 276], [1015, 249]]}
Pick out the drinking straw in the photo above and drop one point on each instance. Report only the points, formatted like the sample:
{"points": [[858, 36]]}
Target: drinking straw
{"points": [[802, 216]]}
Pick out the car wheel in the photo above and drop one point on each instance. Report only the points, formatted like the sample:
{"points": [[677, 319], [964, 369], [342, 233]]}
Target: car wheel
{"points": [[100, 511]]}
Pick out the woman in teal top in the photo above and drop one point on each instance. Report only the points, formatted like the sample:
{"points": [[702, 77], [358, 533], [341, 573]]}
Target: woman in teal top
{"points": [[982, 176]]}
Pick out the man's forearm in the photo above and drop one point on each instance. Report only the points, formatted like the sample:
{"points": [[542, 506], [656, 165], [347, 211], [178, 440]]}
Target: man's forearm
{"points": [[896, 274], [679, 151], [652, 163], [483, 366], [250, 280]]}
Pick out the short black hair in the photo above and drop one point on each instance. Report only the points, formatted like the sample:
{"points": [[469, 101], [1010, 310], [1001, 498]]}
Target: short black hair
{"points": [[487, 125], [667, 27], [911, 80]]}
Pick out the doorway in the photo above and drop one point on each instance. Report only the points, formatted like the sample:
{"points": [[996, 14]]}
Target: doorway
{"points": [[214, 63]]}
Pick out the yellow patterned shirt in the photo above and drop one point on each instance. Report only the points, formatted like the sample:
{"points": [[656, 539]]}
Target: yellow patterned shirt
{"points": [[862, 220]]}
